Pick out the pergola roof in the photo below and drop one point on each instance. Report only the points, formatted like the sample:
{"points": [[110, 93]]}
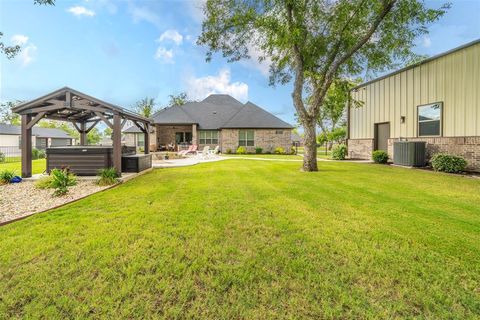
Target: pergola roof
{"points": [[67, 104], [84, 112]]}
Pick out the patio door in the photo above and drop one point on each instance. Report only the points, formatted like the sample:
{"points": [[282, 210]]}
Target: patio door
{"points": [[382, 134]]}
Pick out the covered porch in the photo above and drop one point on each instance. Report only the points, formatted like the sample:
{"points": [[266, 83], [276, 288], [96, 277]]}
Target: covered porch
{"points": [[84, 112], [175, 137]]}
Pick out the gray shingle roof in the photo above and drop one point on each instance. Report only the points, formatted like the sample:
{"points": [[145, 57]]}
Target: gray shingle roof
{"points": [[252, 116], [36, 131], [220, 111]]}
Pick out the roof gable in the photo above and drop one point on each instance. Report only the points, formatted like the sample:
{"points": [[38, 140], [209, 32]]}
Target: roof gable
{"points": [[220, 111], [173, 115]]}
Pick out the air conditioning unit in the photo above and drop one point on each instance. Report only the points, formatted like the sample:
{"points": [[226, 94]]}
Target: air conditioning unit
{"points": [[409, 153]]}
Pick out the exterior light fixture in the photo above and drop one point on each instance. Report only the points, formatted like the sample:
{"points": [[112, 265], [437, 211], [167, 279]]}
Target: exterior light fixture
{"points": [[402, 119]]}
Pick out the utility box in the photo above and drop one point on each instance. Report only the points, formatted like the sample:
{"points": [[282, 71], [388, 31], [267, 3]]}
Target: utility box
{"points": [[409, 153]]}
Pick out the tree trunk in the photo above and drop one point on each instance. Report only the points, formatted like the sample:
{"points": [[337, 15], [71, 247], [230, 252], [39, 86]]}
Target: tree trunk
{"points": [[310, 140]]}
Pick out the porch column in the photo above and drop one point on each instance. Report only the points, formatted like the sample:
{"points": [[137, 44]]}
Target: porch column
{"points": [[194, 134], [83, 134], [117, 143], [146, 140], [26, 146]]}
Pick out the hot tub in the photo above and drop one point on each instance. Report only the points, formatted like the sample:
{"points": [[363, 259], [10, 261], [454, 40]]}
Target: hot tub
{"points": [[83, 160]]}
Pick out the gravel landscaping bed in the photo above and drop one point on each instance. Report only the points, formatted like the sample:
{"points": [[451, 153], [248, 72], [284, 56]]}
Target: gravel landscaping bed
{"points": [[22, 199]]}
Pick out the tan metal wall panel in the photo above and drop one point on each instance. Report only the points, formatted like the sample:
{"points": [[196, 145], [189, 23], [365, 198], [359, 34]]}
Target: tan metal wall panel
{"points": [[453, 79]]}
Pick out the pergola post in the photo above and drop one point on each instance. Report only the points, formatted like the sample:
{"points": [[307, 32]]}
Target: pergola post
{"points": [[26, 146], [83, 134], [146, 140], [117, 143]]}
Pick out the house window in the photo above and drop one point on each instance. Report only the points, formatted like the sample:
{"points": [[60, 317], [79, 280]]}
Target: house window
{"points": [[279, 132], [140, 140], [430, 119], [183, 137], [208, 137], [246, 138]]}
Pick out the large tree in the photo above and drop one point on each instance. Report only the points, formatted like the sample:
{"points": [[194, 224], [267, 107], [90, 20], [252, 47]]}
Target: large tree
{"points": [[315, 42]]}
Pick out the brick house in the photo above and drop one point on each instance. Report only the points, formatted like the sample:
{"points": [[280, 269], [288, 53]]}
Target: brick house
{"points": [[436, 100], [219, 120]]}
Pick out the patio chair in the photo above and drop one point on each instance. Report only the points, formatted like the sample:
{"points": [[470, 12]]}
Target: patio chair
{"points": [[193, 150], [215, 151], [205, 152], [184, 152]]}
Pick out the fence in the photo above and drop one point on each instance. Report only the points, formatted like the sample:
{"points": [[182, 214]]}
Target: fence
{"points": [[14, 153]]}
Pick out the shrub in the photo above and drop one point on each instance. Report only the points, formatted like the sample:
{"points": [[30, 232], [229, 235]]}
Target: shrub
{"points": [[279, 150], [241, 150], [293, 151], [61, 180], [339, 152], [228, 151], [6, 175], [258, 150], [380, 156], [44, 182], [107, 176], [448, 163], [38, 154], [2, 157]]}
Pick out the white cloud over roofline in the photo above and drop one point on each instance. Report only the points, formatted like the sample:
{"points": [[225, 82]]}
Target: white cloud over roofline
{"points": [[202, 87]]}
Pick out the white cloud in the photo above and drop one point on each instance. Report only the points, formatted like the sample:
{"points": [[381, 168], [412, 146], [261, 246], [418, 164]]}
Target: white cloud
{"points": [[427, 42], [28, 49], [19, 40], [81, 11], [199, 88], [27, 54], [172, 35], [164, 55]]}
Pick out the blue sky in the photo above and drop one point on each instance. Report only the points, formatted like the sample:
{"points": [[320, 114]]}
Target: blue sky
{"points": [[122, 51]]}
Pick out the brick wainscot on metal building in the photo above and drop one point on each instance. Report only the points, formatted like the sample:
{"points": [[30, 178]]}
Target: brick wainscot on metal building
{"points": [[436, 101]]}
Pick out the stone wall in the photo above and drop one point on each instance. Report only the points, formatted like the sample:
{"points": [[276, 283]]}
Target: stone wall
{"points": [[267, 139], [360, 148], [466, 147]]}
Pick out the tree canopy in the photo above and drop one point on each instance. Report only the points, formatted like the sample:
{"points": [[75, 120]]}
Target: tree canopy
{"points": [[178, 99], [312, 43], [145, 107]]}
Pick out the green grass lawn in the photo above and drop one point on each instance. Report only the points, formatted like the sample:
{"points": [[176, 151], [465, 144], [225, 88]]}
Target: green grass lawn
{"points": [[265, 156], [253, 239], [38, 166]]}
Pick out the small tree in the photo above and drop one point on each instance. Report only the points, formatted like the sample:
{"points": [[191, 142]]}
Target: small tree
{"points": [[315, 42], [108, 132], [178, 99], [6, 114], [145, 107]]}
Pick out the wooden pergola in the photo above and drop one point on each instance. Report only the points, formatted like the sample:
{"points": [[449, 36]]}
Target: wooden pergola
{"points": [[84, 112]]}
